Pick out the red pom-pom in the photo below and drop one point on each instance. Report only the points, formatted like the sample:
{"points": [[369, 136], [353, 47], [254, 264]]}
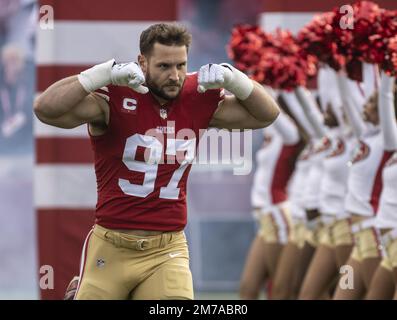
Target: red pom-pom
{"points": [[367, 40], [345, 41], [366, 30], [386, 47], [317, 38], [355, 38], [338, 39], [284, 64], [272, 59], [246, 46], [389, 64]]}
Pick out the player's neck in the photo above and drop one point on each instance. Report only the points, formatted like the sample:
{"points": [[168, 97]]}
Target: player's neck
{"points": [[160, 100]]}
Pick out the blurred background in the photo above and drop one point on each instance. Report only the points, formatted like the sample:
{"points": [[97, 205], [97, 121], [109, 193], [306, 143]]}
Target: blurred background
{"points": [[47, 183]]}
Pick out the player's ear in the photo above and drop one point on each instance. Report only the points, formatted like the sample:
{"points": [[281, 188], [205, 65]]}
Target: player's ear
{"points": [[142, 63]]}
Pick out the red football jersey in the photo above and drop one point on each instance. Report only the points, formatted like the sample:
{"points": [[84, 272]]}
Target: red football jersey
{"points": [[143, 160]]}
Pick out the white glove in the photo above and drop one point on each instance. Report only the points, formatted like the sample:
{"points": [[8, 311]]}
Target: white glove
{"points": [[124, 74], [130, 75], [214, 76]]}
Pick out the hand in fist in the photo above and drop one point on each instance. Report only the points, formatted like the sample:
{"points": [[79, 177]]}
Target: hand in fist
{"points": [[214, 76], [129, 74]]}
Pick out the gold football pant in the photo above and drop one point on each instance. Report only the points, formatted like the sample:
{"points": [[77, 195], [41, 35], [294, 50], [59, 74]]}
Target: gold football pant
{"points": [[121, 266]]}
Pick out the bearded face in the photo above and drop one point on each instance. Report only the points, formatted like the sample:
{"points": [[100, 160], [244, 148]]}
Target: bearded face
{"points": [[165, 70]]}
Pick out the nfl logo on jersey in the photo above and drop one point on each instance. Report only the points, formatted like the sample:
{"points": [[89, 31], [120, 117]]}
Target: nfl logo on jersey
{"points": [[163, 113]]}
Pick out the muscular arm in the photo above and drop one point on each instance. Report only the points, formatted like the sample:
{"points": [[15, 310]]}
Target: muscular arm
{"points": [[257, 111], [66, 104]]}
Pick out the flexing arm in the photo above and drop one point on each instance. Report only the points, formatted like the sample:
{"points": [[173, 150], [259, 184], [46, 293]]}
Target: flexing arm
{"points": [[71, 102], [387, 114], [250, 106], [67, 105]]}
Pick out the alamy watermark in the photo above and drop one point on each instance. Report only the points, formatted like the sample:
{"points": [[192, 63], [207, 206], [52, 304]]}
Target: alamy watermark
{"points": [[165, 145], [346, 21], [346, 281], [46, 281], [46, 21]]}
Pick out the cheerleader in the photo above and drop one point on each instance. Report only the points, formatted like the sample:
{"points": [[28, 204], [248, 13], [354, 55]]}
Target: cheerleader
{"points": [[275, 163], [364, 187], [334, 237], [383, 282], [297, 254]]}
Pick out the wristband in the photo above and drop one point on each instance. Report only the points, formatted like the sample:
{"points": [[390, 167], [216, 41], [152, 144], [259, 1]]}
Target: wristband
{"points": [[96, 77], [240, 85]]}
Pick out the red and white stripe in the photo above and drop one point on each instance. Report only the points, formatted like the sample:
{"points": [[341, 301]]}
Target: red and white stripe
{"points": [[85, 33], [83, 261]]}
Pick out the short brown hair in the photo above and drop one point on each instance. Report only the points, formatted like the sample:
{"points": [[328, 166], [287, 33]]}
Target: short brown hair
{"points": [[164, 33]]}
